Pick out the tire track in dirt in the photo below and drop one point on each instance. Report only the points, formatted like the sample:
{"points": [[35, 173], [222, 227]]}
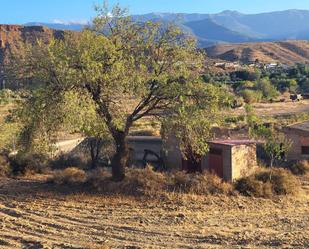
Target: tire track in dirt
{"points": [[33, 219]]}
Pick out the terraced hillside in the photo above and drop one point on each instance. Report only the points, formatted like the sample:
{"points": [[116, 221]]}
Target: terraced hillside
{"points": [[286, 52]]}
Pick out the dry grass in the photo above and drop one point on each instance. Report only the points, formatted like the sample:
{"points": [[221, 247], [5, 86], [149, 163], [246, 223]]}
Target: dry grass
{"points": [[34, 214], [5, 169], [200, 184], [145, 182], [269, 183], [300, 168], [70, 175]]}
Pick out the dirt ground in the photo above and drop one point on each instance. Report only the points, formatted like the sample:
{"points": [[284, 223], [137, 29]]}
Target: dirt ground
{"points": [[277, 109], [33, 214]]}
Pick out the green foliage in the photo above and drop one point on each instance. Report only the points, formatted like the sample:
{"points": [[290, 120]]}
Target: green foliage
{"points": [[9, 123], [275, 144], [268, 90], [191, 122], [125, 71], [247, 75], [251, 96]]}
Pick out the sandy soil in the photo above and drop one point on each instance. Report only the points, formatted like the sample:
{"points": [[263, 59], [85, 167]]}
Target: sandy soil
{"points": [[34, 214]]}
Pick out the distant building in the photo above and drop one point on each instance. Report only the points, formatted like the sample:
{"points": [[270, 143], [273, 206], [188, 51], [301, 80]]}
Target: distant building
{"points": [[299, 135], [271, 65]]}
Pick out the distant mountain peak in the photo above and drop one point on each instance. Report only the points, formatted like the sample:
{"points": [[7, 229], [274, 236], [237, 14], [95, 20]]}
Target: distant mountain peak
{"points": [[230, 12]]}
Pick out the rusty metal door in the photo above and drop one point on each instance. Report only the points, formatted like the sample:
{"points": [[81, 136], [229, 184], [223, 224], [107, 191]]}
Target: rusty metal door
{"points": [[216, 162]]}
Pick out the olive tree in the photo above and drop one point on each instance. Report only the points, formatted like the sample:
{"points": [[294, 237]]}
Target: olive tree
{"points": [[191, 121], [128, 70]]}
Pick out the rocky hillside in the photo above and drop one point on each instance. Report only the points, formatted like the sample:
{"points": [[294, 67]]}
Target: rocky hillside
{"points": [[286, 52], [12, 36]]}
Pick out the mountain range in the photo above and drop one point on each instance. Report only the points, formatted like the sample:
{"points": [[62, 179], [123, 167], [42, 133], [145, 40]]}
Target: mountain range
{"points": [[227, 26]]}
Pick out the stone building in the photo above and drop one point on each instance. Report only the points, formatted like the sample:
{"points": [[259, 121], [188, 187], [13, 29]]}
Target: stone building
{"points": [[299, 136], [229, 159]]}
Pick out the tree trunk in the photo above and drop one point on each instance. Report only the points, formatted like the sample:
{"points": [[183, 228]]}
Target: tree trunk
{"points": [[121, 157], [95, 145]]}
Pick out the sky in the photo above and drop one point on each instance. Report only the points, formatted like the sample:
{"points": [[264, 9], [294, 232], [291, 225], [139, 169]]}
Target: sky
{"points": [[23, 11]]}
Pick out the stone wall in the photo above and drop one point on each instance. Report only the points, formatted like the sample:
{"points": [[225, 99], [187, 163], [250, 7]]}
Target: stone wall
{"points": [[243, 160], [298, 140]]}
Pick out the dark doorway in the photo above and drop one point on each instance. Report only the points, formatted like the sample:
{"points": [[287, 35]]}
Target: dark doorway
{"points": [[216, 161]]}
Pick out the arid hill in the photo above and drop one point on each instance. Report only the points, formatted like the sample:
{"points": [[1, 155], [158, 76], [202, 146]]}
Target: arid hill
{"points": [[12, 36], [286, 52]]}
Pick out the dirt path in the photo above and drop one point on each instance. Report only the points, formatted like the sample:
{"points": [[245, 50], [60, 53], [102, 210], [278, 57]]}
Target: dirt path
{"points": [[35, 215]]}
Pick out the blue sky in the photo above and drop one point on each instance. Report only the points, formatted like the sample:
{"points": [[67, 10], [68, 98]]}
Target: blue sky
{"points": [[22, 11]]}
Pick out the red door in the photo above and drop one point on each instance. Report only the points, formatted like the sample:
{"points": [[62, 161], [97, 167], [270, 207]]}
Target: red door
{"points": [[216, 162]]}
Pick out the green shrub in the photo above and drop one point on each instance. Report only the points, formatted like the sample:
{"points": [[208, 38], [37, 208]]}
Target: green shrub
{"points": [[300, 168], [251, 96], [268, 183], [268, 90]]}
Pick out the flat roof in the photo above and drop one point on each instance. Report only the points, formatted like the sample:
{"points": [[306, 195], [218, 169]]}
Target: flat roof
{"points": [[303, 126], [233, 142]]}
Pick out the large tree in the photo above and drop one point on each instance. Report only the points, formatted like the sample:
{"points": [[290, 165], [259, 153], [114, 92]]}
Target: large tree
{"points": [[128, 69]]}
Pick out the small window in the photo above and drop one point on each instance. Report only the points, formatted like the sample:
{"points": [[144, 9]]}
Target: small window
{"points": [[215, 151], [305, 150]]}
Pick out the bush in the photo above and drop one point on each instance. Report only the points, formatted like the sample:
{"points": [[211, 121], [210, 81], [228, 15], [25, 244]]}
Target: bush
{"points": [[137, 182], [144, 182], [268, 90], [300, 168], [5, 168], [23, 163], [251, 96], [249, 186], [70, 176], [66, 161], [268, 183], [199, 184]]}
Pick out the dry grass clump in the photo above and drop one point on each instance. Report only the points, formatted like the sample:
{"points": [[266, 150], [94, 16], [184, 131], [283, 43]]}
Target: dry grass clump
{"points": [[137, 182], [145, 132], [27, 163], [269, 183], [200, 184], [70, 175], [300, 168], [5, 168], [147, 182]]}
